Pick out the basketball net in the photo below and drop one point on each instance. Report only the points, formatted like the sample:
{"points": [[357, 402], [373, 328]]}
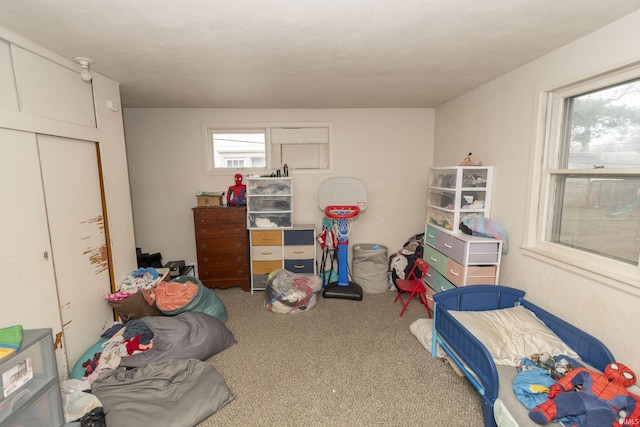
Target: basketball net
{"points": [[344, 219]]}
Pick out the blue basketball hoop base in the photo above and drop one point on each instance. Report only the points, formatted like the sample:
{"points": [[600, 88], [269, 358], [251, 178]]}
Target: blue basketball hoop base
{"points": [[343, 288]]}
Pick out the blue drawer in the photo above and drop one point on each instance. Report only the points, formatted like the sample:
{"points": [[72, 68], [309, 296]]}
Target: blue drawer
{"points": [[299, 265], [299, 237]]}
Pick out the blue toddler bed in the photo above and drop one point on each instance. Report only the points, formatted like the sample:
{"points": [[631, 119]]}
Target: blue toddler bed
{"points": [[473, 357]]}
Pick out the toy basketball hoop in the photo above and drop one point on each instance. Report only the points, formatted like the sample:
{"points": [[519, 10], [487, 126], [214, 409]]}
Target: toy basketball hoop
{"points": [[342, 199]]}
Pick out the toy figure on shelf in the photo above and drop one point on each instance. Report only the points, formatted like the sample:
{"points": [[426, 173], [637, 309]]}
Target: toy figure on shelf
{"points": [[466, 161], [237, 194]]}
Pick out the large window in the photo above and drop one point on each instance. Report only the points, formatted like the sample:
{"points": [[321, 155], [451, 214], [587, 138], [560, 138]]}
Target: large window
{"points": [[266, 147], [589, 205]]}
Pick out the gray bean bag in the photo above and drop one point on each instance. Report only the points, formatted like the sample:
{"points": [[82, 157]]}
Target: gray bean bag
{"points": [[204, 301], [183, 336], [171, 393]]}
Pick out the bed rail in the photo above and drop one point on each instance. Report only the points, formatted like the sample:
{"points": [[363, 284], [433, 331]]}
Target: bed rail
{"points": [[590, 349], [455, 339]]}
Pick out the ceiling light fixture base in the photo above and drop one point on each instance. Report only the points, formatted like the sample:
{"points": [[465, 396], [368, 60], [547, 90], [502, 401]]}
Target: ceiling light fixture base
{"points": [[85, 74]]}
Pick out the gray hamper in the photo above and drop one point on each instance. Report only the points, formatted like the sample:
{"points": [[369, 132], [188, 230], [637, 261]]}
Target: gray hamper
{"points": [[370, 266]]}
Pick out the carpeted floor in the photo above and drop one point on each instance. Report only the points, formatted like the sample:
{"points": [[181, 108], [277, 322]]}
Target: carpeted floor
{"points": [[341, 363]]}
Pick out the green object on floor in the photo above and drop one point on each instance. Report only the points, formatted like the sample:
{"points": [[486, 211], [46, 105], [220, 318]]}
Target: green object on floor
{"points": [[10, 340]]}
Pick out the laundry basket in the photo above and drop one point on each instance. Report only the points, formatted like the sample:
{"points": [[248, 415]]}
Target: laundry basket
{"points": [[370, 267]]}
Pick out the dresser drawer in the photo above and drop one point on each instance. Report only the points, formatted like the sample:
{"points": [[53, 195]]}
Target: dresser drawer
{"points": [[483, 252], [266, 253], [299, 237], [460, 275], [222, 270], [46, 410], [227, 282], [451, 247], [299, 265], [265, 267], [221, 247], [298, 252], [217, 215], [266, 238], [441, 284], [259, 220], [269, 203], [436, 260], [430, 236], [259, 281], [220, 231], [430, 293], [430, 277]]}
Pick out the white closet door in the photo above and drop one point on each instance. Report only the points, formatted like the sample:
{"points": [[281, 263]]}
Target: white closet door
{"points": [[77, 229], [29, 295]]}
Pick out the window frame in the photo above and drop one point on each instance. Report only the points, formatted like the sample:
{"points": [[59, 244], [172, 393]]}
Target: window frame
{"points": [[218, 127], [546, 157]]}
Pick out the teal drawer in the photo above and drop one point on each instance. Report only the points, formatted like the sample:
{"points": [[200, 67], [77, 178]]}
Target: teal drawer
{"points": [[442, 284], [436, 260], [430, 236]]}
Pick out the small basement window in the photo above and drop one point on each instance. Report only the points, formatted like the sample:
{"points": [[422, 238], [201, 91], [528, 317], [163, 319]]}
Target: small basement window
{"points": [[264, 148]]}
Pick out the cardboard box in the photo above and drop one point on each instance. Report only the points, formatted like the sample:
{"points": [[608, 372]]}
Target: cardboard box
{"points": [[209, 200]]}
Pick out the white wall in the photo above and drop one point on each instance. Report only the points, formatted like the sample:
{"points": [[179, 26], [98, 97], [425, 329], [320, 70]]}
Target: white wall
{"points": [[497, 122], [388, 149]]}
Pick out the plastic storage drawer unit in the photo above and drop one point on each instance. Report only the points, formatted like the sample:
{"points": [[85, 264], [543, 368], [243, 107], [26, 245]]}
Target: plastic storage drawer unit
{"points": [[30, 388]]}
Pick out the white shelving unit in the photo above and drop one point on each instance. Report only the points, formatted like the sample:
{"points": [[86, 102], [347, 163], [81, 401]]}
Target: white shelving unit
{"points": [[456, 193], [269, 203]]}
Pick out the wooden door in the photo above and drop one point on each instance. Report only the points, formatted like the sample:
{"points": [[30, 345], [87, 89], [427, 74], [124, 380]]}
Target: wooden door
{"points": [[76, 225], [29, 295]]}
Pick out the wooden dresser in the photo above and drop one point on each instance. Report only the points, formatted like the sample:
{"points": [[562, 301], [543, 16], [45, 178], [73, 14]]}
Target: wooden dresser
{"points": [[222, 246]]}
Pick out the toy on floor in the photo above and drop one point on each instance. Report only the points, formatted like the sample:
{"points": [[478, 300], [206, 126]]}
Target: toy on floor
{"points": [[342, 199], [602, 398]]}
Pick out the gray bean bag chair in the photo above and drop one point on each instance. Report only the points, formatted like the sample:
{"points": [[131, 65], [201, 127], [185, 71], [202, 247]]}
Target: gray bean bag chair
{"points": [[186, 335], [204, 301], [171, 393]]}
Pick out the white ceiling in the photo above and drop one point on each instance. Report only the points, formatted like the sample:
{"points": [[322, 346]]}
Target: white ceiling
{"points": [[304, 53]]}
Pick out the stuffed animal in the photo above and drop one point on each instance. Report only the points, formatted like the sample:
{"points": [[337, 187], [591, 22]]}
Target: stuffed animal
{"points": [[601, 398]]}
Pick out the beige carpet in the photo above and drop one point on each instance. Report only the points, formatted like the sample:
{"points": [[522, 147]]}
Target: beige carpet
{"points": [[342, 363]]}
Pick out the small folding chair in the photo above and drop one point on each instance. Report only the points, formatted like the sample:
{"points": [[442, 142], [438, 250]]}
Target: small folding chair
{"points": [[413, 285]]}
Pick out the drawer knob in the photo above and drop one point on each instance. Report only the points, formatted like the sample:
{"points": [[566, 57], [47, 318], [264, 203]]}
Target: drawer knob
{"points": [[446, 245], [454, 273]]}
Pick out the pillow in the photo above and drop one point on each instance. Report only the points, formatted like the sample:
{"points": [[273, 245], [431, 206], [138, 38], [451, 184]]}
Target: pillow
{"points": [[423, 331], [134, 307], [512, 333], [187, 335], [78, 370]]}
